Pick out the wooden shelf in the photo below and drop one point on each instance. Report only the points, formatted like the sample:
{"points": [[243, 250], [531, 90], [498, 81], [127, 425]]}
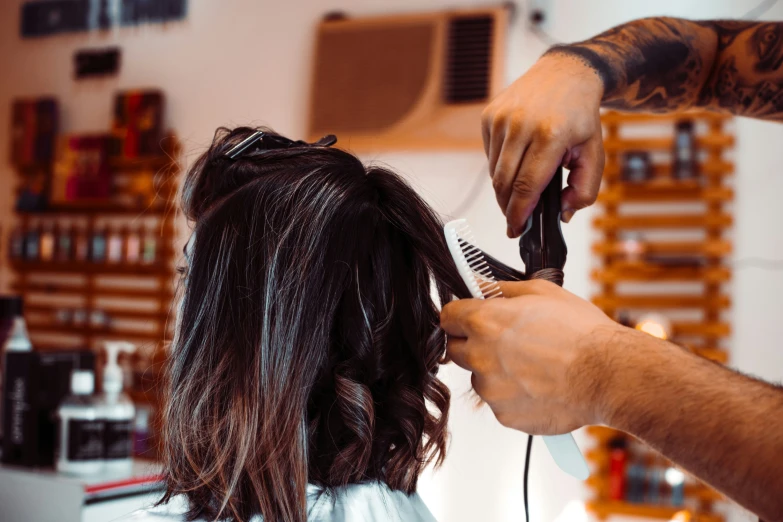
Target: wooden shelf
{"points": [[713, 354], [113, 313], [603, 433], [655, 191], [715, 248], [99, 284], [707, 141], [118, 164], [606, 508], [662, 172], [88, 330], [635, 222], [620, 271], [91, 268], [99, 291], [99, 207], [600, 457], [669, 301], [706, 329]]}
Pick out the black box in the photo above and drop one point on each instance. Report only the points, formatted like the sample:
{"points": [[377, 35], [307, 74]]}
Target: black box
{"points": [[35, 383]]}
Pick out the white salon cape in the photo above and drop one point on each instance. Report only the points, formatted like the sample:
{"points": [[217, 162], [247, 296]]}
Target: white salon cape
{"points": [[370, 502]]}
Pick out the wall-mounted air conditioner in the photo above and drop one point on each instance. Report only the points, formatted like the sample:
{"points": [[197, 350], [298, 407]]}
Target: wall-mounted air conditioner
{"points": [[416, 81]]}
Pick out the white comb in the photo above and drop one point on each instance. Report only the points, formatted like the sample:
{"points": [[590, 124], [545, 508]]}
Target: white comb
{"points": [[470, 260], [477, 275]]}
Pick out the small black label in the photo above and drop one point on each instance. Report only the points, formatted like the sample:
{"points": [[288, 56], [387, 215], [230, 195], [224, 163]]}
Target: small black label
{"points": [[117, 439], [85, 439]]}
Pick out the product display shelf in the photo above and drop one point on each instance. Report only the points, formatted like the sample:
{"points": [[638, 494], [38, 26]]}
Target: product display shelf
{"points": [[132, 299], [662, 249]]}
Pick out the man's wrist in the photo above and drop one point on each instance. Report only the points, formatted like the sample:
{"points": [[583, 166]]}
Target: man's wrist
{"points": [[636, 362], [592, 61]]}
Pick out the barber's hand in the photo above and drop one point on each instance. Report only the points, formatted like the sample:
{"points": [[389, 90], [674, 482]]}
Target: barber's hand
{"points": [[548, 117], [539, 355]]}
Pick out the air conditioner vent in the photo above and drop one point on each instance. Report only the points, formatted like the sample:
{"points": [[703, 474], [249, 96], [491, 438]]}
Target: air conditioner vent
{"points": [[415, 81], [468, 64]]}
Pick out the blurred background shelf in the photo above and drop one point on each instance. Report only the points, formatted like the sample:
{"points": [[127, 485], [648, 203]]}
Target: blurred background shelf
{"points": [[671, 221], [620, 271], [661, 172], [604, 510], [657, 193], [71, 267]]}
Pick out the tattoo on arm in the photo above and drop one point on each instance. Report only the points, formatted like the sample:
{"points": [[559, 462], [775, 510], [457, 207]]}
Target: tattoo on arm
{"points": [[669, 64]]}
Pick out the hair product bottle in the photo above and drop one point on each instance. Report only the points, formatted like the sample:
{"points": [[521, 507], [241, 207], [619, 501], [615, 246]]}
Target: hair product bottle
{"points": [[117, 411], [47, 242], [13, 338], [80, 429], [64, 249], [16, 243], [81, 244], [98, 245], [32, 243], [149, 252], [684, 153], [114, 252], [132, 246]]}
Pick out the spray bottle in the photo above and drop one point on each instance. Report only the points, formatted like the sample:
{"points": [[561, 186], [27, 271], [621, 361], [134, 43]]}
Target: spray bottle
{"points": [[117, 411], [80, 429]]}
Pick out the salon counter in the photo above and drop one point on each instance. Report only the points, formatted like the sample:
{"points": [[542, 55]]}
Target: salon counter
{"points": [[43, 495]]}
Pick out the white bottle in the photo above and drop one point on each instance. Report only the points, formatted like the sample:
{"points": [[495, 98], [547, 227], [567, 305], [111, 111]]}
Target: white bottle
{"points": [[80, 429], [117, 412]]}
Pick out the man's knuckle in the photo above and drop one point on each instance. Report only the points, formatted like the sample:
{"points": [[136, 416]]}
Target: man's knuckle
{"points": [[548, 130], [523, 186], [514, 127], [498, 182], [498, 123], [476, 321]]}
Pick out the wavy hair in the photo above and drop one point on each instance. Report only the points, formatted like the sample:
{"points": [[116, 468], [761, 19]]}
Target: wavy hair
{"points": [[308, 341]]}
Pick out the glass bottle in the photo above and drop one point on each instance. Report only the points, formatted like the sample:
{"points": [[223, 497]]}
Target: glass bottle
{"points": [[32, 246], [132, 246], [81, 244], [149, 253], [98, 245], [16, 243], [64, 247], [114, 248], [47, 242]]}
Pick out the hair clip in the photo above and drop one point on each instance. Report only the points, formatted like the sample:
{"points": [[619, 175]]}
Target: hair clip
{"points": [[263, 141]]}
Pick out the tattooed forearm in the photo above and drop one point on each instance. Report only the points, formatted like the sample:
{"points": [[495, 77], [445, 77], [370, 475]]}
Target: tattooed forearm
{"points": [[747, 76], [655, 64], [667, 64]]}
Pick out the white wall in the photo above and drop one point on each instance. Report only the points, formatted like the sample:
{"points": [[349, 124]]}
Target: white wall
{"points": [[246, 61]]}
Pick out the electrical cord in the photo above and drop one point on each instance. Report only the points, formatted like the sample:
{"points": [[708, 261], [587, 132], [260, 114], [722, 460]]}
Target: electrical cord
{"points": [[526, 473]]}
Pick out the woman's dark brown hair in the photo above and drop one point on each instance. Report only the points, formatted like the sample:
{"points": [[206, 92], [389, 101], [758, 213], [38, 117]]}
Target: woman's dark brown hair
{"points": [[308, 342]]}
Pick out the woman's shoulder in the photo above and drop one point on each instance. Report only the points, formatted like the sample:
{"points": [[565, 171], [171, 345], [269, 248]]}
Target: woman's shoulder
{"points": [[369, 501], [366, 502]]}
